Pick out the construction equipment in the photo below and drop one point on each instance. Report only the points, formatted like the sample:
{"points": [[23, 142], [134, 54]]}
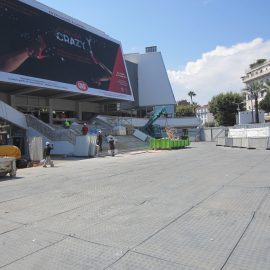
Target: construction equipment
{"points": [[152, 130], [8, 165], [10, 151]]}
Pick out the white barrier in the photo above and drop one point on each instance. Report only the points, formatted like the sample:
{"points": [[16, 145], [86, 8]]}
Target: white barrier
{"points": [[244, 143], [237, 142], [257, 143], [220, 141], [229, 142], [249, 132]]}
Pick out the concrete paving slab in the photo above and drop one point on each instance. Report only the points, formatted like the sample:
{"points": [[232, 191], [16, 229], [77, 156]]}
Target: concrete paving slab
{"points": [[265, 206], [202, 237], [253, 252], [24, 241], [236, 199], [135, 261], [117, 235], [69, 254], [6, 226], [253, 180], [187, 208], [55, 204], [80, 219]]}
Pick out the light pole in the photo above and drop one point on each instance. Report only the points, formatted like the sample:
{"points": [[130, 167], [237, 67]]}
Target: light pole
{"points": [[238, 109]]}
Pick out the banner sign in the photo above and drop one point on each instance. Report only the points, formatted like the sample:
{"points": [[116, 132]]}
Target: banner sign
{"points": [[42, 47]]}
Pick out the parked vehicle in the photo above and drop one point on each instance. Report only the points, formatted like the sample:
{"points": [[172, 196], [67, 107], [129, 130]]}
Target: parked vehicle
{"points": [[8, 165]]}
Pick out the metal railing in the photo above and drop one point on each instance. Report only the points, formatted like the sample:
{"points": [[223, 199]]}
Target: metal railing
{"points": [[50, 132]]}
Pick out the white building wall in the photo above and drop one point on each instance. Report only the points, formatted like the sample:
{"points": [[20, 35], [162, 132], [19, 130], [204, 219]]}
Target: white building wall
{"points": [[246, 117], [154, 86], [204, 115], [60, 147], [258, 73]]}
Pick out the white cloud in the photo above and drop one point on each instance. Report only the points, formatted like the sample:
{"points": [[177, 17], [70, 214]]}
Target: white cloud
{"points": [[217, 71]]}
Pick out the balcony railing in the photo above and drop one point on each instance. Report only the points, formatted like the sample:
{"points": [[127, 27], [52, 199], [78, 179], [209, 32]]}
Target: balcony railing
{"points": [[260, 73]]}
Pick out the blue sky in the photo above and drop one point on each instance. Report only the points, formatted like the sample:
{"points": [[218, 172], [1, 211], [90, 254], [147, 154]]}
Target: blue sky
{"points": [[184, 32]]}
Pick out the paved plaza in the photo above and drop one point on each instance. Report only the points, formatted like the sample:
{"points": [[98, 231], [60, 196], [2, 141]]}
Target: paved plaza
{"points": [[200, 208]]}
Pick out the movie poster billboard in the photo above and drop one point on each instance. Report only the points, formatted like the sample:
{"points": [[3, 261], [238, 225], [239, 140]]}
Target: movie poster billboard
{"points": [[42, 47]]}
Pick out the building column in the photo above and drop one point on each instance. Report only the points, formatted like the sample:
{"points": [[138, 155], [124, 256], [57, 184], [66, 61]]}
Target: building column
{"points": [[50, 111], [13, 101], [79, 110]]}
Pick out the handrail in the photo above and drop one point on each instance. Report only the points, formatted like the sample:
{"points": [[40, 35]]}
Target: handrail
{"points": [[50, 132]]}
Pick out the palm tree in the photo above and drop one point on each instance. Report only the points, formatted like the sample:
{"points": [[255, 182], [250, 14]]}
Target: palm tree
{"points": [[253, 89], [191, 94]]}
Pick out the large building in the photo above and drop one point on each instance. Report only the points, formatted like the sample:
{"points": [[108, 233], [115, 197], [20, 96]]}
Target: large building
{"points": [[203, 113], [55, 68], [52, 65], [259, 71], [150, 82]]}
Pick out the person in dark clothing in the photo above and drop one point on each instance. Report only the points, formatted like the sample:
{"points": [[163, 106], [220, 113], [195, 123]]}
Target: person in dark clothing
{"points": [[84, 129], [99, 140], [111, 145], [47, 153]]}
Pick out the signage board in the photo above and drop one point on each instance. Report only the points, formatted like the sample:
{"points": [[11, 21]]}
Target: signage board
{"points": [[46, 48]]}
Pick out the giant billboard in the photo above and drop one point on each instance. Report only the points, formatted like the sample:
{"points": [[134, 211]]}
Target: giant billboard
{"points": [[42, 47]]}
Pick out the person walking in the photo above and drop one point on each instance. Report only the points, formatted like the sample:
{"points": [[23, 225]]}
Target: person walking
{"points": [[111, 142], [84, 129], [47, 153], [99, 140]]}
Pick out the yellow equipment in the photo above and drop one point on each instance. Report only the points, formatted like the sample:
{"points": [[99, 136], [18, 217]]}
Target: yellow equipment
{"points": [[10, 151]]}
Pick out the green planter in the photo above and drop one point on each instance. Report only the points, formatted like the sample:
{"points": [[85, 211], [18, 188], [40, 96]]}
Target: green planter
{"points": [[182, 143], [152, 143], [163, 144], [158, 144], [168, 145]]}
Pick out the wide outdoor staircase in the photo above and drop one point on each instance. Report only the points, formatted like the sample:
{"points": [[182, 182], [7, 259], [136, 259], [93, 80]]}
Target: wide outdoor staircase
{"points": [[11, 115], [53, 134], [125, 144], [130, 143], [102, 125]]}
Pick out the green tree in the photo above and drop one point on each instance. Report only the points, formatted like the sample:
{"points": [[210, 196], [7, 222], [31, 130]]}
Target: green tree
{"points": [[257, 63], [224, 107], [184, 110], [191, 94], [253, 89], [265, 103]]}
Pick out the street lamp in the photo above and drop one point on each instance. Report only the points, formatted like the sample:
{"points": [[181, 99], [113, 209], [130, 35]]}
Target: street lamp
{"points": [[238, 109]]}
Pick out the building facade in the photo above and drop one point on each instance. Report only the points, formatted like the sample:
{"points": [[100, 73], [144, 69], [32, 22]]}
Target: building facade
{"points": [[150, 83], [70, 73], [203, 113], [259, 71]]}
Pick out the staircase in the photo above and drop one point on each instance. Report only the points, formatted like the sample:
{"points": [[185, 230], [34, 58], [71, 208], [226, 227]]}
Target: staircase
{"points": [[124, 144], [130, 143], [53, 134], [11, 115]]}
